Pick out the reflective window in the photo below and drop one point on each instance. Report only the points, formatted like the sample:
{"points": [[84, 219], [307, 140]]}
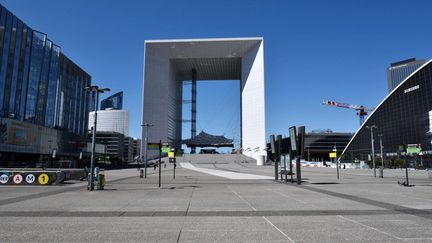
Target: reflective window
{"points": [[114, 102], [36, 60], [43, 83], [52, 86], [16, 61], [27, 36], [4, 61]]}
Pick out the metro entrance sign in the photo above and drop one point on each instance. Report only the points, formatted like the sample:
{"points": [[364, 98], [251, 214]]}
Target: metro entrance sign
{"points": [[30, 178]]}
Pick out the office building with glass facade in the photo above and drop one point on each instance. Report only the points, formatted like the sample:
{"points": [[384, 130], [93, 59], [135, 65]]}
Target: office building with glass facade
{"points": [[115, 102], [110, 121], [404, 117], [318, 144], [40, 89], [399, 71]]}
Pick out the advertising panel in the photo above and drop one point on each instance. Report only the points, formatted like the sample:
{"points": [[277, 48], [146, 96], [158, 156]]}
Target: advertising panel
{"points": [[17, 133], [21, 134], [293, 138]]}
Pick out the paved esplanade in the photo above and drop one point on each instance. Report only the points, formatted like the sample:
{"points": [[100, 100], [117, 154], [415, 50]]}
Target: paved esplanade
{"points": [[200, 207]]}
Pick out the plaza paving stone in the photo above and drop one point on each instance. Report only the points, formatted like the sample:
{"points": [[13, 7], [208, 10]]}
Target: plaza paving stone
{"points": [[198, 207]]}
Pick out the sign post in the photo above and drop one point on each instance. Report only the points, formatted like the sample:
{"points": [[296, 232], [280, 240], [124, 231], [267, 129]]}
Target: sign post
{"points": [[290, 164], [294, 150], [278, 154], [149, 146], [160, 163], [273, 152], [300, 151], [172, 159], [334, 155], [402, 148]]}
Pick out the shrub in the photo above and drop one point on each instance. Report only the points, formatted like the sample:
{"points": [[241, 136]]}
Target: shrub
{"points": [[399, 163]]}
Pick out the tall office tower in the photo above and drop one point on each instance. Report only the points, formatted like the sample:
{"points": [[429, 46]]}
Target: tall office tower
{"points": [[43, 103], [399, 71], [111, 121], [38, 83], [115, 102]]}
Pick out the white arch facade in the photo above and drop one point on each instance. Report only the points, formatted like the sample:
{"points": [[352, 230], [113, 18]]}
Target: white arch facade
{"points": [[167, 63]]}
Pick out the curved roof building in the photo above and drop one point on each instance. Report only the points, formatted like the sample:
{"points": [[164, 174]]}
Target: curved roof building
{"points": [[404, 117]]}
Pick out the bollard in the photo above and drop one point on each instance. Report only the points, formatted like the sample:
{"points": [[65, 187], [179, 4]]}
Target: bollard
{"points": [[141, 173], [101, 180]]}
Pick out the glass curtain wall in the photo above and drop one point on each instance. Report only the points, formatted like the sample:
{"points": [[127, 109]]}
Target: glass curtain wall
{"points": [[23, 71], [6, 23], [52, 86], [15, 45], [39, 84], [403, 118], [37, 57]]}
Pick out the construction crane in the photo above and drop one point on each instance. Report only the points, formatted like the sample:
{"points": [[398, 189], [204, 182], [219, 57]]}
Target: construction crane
{"points": [[362, 111]]}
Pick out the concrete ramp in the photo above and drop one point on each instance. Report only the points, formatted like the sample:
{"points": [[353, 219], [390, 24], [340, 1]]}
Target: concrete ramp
{"points": [[225, 174], [216, 158]]}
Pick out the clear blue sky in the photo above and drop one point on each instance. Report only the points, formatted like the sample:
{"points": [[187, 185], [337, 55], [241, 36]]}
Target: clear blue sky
{"points": [[314, 50]]}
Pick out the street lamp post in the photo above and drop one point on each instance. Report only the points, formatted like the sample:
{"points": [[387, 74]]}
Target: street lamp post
{"points": [[95, 90], [373, 148], [337, 161], [382, 157], [146, 125]]}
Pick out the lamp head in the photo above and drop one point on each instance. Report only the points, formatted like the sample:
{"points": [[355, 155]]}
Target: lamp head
{"points": [[91, 88]]}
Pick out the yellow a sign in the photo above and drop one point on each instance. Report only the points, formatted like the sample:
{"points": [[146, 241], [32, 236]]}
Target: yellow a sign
{"points": [[171, 155], [333, 155]]}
